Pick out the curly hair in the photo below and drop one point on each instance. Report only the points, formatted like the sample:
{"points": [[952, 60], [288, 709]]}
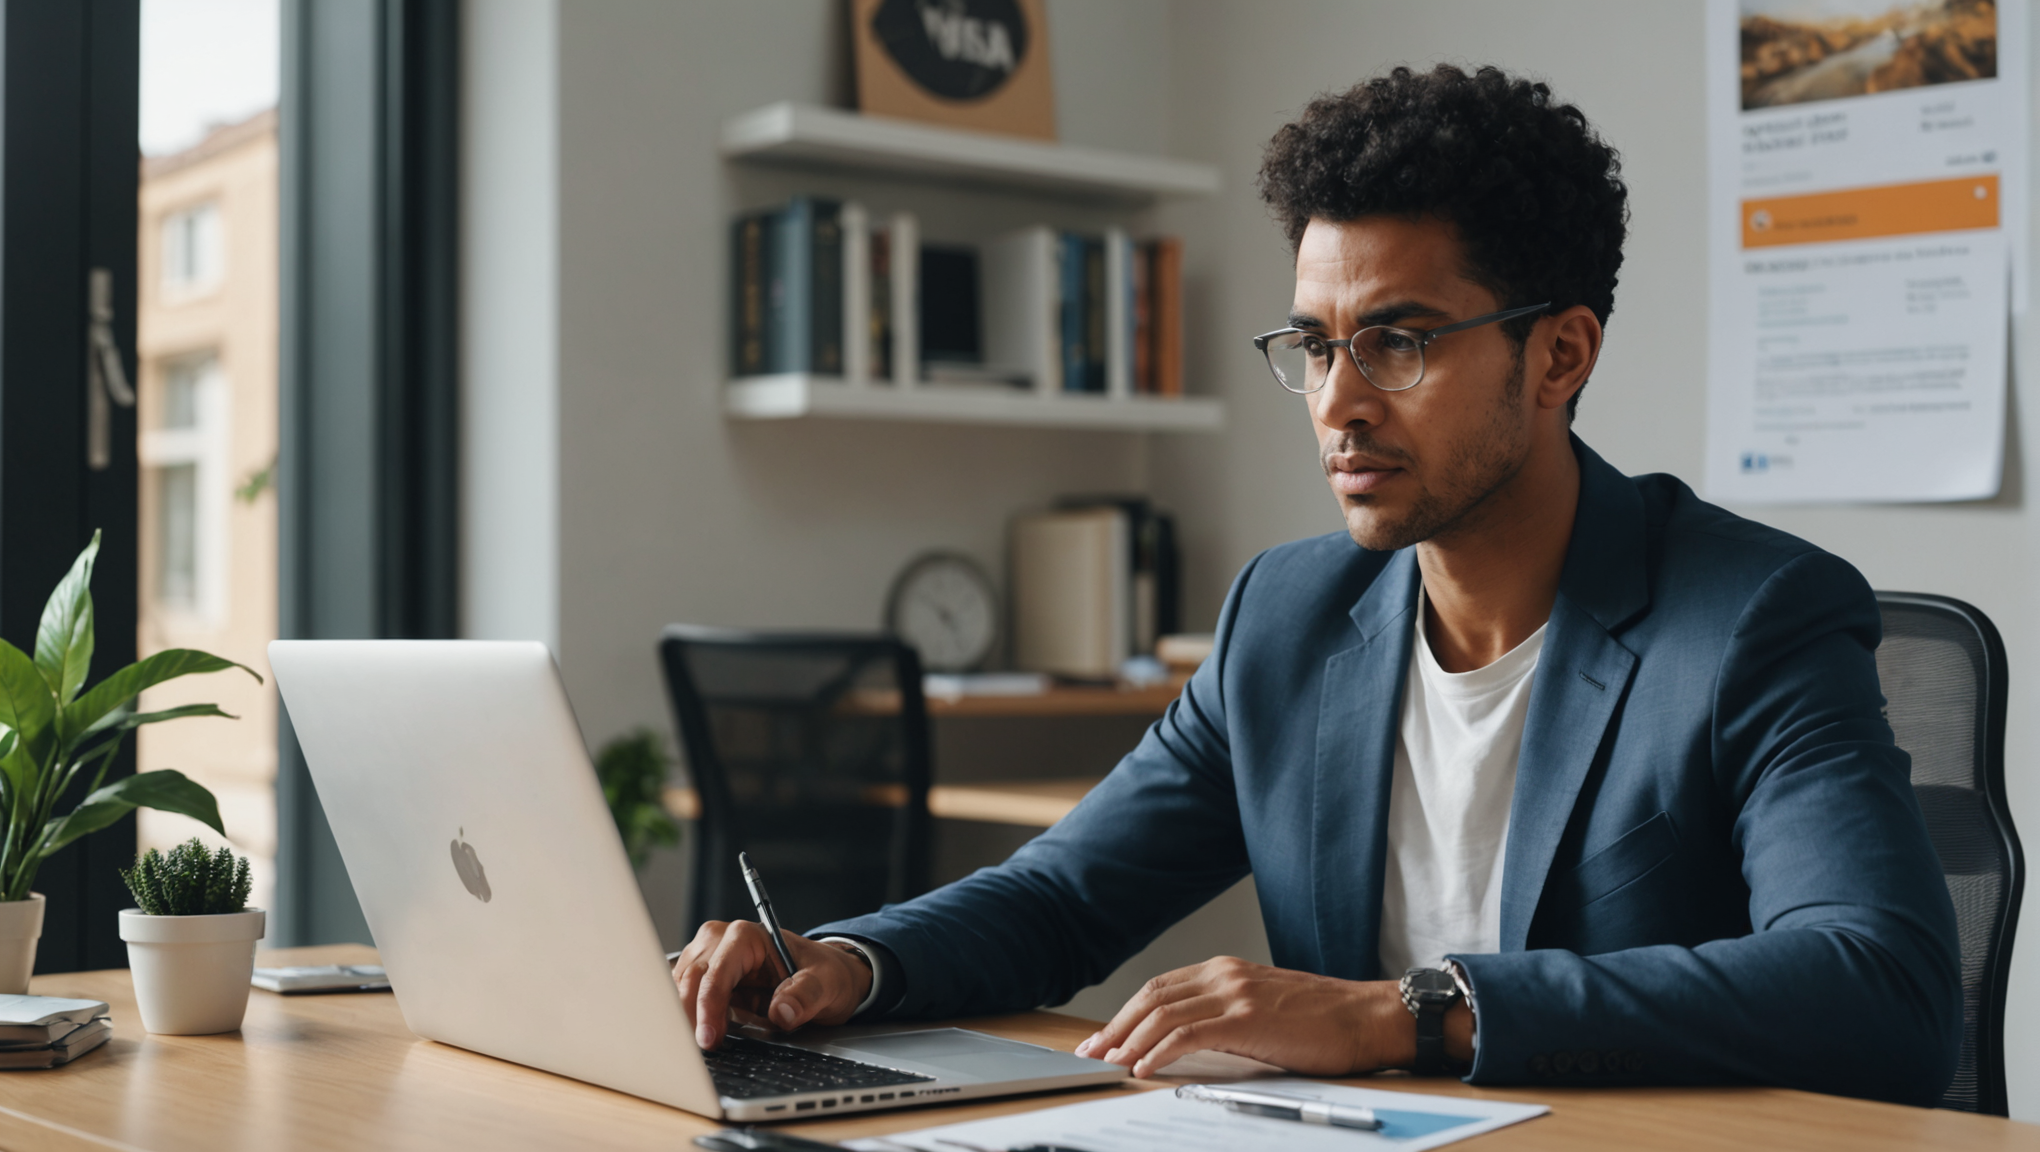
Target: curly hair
{"points": [[1535, 195]]}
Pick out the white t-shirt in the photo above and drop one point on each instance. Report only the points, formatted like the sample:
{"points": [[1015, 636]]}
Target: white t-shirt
{"points": [[1448, 808]]}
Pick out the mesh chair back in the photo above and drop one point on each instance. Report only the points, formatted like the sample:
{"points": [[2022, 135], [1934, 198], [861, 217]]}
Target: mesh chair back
{"points": [[810, 752], [1943, 670]]}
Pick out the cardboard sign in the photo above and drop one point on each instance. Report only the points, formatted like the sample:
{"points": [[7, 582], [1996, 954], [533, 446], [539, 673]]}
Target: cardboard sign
{"points": [[979, 64]]}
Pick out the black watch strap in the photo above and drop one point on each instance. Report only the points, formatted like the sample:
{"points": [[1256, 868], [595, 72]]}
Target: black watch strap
{"points": [[1428, 993]]}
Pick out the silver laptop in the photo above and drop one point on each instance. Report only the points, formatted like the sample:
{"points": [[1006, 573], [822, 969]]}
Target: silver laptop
{"points": [[492, 876]]}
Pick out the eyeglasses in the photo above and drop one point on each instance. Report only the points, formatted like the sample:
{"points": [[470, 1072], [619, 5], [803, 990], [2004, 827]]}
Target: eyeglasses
{"points": [[1391, 358]]}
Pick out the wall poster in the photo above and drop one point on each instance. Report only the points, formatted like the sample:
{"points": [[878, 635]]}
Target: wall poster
{"points": [[1866, 170]]}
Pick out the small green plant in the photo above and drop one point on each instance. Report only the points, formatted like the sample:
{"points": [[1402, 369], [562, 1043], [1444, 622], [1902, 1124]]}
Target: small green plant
{"points": [[189, 881], [53, 731], [632, 769]]}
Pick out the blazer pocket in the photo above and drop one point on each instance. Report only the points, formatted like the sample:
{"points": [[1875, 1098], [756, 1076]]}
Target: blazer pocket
{"points": [[1633, 854]]}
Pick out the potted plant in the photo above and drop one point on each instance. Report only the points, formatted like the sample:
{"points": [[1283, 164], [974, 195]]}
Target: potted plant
{"points": [[191, 943], [54, 732]]}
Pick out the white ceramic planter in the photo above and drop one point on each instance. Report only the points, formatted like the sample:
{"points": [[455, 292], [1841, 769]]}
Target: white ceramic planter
{"points": [[191, 973], [20, 928]]}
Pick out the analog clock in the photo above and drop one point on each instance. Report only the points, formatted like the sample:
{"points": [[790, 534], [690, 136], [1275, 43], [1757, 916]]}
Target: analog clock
{"points": [[944, 605]]}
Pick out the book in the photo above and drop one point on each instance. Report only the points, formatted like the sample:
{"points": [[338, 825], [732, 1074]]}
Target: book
{"points": [[39, 1019], [1021, 279], [1166, 322], [75, 1042], [323, 978], [1118, 284], [905, 264], [1070, 306], [1095, 297], [803, 295], [748, 262], [1143, 319], [1072, 591], [824, 295], [949, 305], [1154, 568], [857, 327], [880, 293]]}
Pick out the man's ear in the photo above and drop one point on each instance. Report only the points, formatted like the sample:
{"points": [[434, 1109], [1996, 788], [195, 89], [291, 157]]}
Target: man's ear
{"points": [[1572, 343]]}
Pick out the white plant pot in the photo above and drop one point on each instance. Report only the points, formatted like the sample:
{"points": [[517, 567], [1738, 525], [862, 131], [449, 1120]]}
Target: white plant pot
{"points": [[20, 928], [191, 973]]}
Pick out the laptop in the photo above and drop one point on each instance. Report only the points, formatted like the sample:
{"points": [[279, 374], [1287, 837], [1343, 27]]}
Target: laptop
{"points": [[509, 919]]}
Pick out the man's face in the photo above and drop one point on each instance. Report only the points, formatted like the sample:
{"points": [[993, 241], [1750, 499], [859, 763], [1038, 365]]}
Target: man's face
{"points": [[1413, 465]]}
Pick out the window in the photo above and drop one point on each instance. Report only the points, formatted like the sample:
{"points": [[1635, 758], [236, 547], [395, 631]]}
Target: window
{"points": [[185, 488], [192, 255]]}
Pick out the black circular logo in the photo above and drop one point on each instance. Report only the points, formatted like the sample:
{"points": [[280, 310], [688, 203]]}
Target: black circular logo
{"points": [[959, 49]]}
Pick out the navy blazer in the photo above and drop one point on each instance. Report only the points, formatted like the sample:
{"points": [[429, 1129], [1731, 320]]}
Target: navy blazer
{"points": [[1715, 872]]}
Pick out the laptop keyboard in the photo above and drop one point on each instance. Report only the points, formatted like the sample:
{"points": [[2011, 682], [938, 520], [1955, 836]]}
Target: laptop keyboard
{"points": [[745, 1069]]}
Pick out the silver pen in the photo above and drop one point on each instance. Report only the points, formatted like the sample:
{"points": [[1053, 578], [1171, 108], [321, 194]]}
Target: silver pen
{"points": [[756, 884], [1282, 1106]]}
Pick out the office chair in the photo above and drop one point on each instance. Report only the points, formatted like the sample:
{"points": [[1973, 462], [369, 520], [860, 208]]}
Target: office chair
{"points": [[809, 751], [1943, 670]]}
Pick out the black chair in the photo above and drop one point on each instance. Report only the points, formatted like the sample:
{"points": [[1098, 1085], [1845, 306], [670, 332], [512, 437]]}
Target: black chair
{"points": [[810, 752], [1943, 669]]}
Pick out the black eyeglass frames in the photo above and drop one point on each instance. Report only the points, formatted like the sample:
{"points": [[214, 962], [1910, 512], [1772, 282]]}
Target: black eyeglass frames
{"points": [[1391, 358]]}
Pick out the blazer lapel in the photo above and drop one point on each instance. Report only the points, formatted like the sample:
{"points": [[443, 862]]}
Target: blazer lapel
{"points": [[1359, 713], [1580, 680]]}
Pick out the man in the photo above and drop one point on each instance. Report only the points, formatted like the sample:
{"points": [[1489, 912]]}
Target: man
{"points": [[1598, 769]]}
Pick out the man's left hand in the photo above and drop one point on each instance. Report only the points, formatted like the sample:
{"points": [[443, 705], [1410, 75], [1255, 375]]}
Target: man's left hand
{"points": [[1297, 1021]]}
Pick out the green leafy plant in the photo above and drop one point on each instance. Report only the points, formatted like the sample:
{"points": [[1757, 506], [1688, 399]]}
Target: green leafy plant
{"points": [[53, 731], [189, 881], [632, 769]]}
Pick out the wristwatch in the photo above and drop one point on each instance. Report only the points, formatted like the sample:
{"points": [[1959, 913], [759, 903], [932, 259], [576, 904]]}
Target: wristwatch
{"points": [[1428, 993]]}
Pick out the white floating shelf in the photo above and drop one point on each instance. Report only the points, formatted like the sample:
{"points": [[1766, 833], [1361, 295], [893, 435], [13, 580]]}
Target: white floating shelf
{"points": [[805, 134], [796, 396]]}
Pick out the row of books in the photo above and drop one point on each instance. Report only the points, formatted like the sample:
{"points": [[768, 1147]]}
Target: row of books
{"points": [[1095, 580], [823, 287]]}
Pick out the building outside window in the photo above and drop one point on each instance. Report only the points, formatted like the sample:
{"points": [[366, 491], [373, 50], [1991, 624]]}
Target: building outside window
{"points": [[206, 331], [193, 255]]}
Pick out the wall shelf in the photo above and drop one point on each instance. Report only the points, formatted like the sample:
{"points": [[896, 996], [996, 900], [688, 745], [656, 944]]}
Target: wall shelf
{"points": [[795, 396], [831, 137]]}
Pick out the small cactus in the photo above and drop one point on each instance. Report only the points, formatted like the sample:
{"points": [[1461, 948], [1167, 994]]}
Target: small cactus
{"points": [[189, 881]]}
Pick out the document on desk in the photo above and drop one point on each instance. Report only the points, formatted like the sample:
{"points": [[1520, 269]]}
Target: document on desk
{"points": [[1867, 215], [1158, 1121]]}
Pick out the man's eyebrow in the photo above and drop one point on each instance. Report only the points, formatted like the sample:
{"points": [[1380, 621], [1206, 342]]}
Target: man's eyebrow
{"points": [[1396, 312], [1303, 320]]}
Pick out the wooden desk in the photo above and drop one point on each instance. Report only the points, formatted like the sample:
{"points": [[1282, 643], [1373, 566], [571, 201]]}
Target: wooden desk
{"points": [[1028, 803], [340, 1072], [1060, 700]]}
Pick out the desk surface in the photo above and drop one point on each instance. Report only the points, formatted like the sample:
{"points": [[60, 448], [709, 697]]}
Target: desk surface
{"points": [[320, 1072]]}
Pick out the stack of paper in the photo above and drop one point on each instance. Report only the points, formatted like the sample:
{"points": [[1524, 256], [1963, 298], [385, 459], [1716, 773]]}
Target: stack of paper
{"points": [[45, 1031], [1158, 1120]]}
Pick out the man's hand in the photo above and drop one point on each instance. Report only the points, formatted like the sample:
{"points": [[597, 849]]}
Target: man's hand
{"points": [[730, 969], [1303, 1023]]}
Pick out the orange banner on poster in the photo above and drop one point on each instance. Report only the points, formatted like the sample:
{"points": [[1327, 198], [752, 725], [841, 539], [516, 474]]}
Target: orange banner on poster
{"points": [[1864, 213]]}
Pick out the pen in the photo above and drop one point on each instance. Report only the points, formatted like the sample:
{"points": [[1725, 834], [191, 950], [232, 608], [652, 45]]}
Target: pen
{"points": [[1282, 1106], [756, 884]]}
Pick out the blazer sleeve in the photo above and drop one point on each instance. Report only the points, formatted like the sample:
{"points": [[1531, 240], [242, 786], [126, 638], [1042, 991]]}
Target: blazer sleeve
{"points": [[1157, 839], [1849, 980]]}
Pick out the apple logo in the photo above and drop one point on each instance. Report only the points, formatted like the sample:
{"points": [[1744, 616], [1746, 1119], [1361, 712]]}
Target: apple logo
{"points": [[469, 866]]}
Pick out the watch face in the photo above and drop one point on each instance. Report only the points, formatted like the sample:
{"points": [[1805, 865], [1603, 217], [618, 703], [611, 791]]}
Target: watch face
{"points": [[943, 605]]}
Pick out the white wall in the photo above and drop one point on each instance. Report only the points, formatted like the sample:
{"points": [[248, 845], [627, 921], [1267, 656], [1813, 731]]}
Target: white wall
{"points": [[1637, 71]]}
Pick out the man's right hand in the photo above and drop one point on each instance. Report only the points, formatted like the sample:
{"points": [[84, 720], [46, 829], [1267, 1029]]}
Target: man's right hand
{"points": [[730, 970]]}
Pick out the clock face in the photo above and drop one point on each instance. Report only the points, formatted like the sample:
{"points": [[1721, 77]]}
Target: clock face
{"points": [[943, 605]]}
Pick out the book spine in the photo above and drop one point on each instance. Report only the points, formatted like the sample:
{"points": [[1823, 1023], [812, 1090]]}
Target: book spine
{"points": [[1071, 308], [747, 295], [880, 290], [1143, 319], [906, 300], [856, 280], [1095, 297], [1168, 318], [787, 337], [1118, 314], [825, 289]]}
